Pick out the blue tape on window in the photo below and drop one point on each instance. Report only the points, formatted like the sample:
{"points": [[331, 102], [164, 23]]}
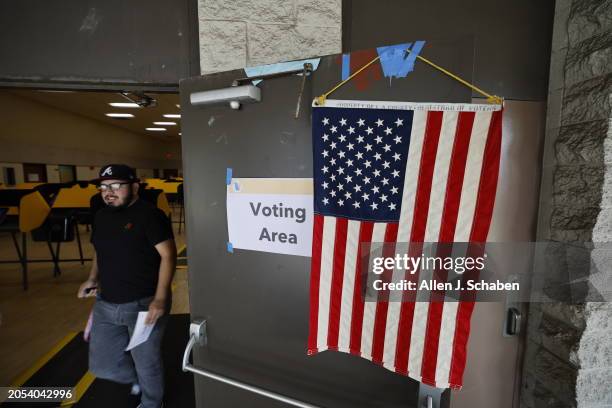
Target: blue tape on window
{"points": [[230, 247], [228, 176], [346, 66]]}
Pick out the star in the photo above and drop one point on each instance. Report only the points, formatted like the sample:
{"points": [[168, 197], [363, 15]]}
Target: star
{"points": [[333, 145], [326, 121], [376, 173], [340, 170], [325, 201], [395, 173], [365, 196], [333, 177], [349, 163], [333, 193], [351, 130], [385, 181], [399, 122], [347, 195], [350, 146], [388, 131], [378, 139], [377, 156], [325, 153], [359, 155], [392, 206], [333, 162], [374, 206], [325, 169], [340, 187], [341, 154], [398, 139], [348, 179], [359, 139], [325, 185], [342, 122], [369, 130], [356, 204], [396, 156], [357, 188], [358, 172], [361, 122], [386, 165], [366, 180], [333, 129], [342, 138], [379, 122], [394, 190], [367, 163], [387, 148], [383, 198], [368, 147], [340, 203], [375, 189], [325, 137]]}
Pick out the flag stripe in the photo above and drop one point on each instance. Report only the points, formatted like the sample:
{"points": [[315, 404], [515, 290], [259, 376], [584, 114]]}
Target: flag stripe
{"points": [[365, 236], [327, 261], [480, 229], [315, 273], [336, 283], [351, 258], [378, 341]]}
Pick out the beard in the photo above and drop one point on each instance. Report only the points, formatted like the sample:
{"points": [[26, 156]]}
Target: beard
{"points": [[125, 204]]}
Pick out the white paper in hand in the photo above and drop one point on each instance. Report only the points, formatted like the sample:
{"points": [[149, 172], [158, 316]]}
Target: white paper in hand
{"points": [[141, 331]]}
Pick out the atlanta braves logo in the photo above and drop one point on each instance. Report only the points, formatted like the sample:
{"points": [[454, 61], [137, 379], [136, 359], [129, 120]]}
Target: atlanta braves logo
{"points": [[108, 171]]}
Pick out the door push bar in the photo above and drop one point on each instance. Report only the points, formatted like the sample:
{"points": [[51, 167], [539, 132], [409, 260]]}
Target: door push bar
{"points": [[429, 397]]}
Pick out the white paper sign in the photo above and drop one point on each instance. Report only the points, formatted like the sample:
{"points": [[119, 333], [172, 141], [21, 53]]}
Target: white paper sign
{"points": [[270, 215]]}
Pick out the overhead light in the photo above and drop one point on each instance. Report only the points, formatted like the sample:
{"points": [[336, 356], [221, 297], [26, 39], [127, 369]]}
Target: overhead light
{"points": [[120, 115], [234, 95], [124, 105], [165, 123], [180, 133], [172, 116], [178, 106], [156, 129]]}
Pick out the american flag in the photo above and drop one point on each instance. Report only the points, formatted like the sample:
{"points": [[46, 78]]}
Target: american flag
{"points": [[419, 173]]}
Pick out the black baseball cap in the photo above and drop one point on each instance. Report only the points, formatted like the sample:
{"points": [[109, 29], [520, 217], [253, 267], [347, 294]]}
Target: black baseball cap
{"points": [[116, 172]]}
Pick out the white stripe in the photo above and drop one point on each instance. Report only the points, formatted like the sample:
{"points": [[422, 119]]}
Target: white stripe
{"points": [[369, 309], [469, 193], [440, 176], [411, 178], [419, 323], [327, 262], [348, 284]]}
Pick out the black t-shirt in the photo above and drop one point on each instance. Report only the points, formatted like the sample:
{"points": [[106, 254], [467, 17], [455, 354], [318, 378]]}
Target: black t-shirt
{"points": [[125, 239]]}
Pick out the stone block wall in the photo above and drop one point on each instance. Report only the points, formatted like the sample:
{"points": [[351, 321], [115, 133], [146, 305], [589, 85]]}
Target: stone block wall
{"points": [[568, 359], [240, 33]]}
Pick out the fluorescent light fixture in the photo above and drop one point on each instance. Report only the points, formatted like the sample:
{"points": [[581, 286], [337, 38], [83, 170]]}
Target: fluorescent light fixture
{"points": [[165, 123], [124, 105], [120, 115], [156, 129], [178, 106], [180, 133], [172, 116], [234, 95]]}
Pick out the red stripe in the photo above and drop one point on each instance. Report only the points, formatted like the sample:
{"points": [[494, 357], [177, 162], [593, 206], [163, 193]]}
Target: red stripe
{"points": [[450, 210], [335, 295], [480, 229], [365, 236], [380, 319], [419, 222], [315, 274]]}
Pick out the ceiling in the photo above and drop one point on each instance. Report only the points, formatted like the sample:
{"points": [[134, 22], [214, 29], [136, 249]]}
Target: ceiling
{"points": [[95, 105]]}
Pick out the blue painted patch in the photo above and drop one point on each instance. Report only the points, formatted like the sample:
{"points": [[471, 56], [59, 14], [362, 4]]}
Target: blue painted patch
{"points": [[236, 187], [230, 248], [228, 176], [396, 62], [346, 66]]}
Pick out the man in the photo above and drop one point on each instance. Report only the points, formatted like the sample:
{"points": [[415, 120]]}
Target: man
{"points": [[132, 269]]}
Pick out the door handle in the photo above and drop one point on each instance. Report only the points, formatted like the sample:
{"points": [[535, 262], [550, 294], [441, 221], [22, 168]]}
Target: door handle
{"points": [[513, 322]]}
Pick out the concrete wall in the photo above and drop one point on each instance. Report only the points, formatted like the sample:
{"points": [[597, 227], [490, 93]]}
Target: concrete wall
{"points": [[236, 34], [37, 133], [568, 362]]}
